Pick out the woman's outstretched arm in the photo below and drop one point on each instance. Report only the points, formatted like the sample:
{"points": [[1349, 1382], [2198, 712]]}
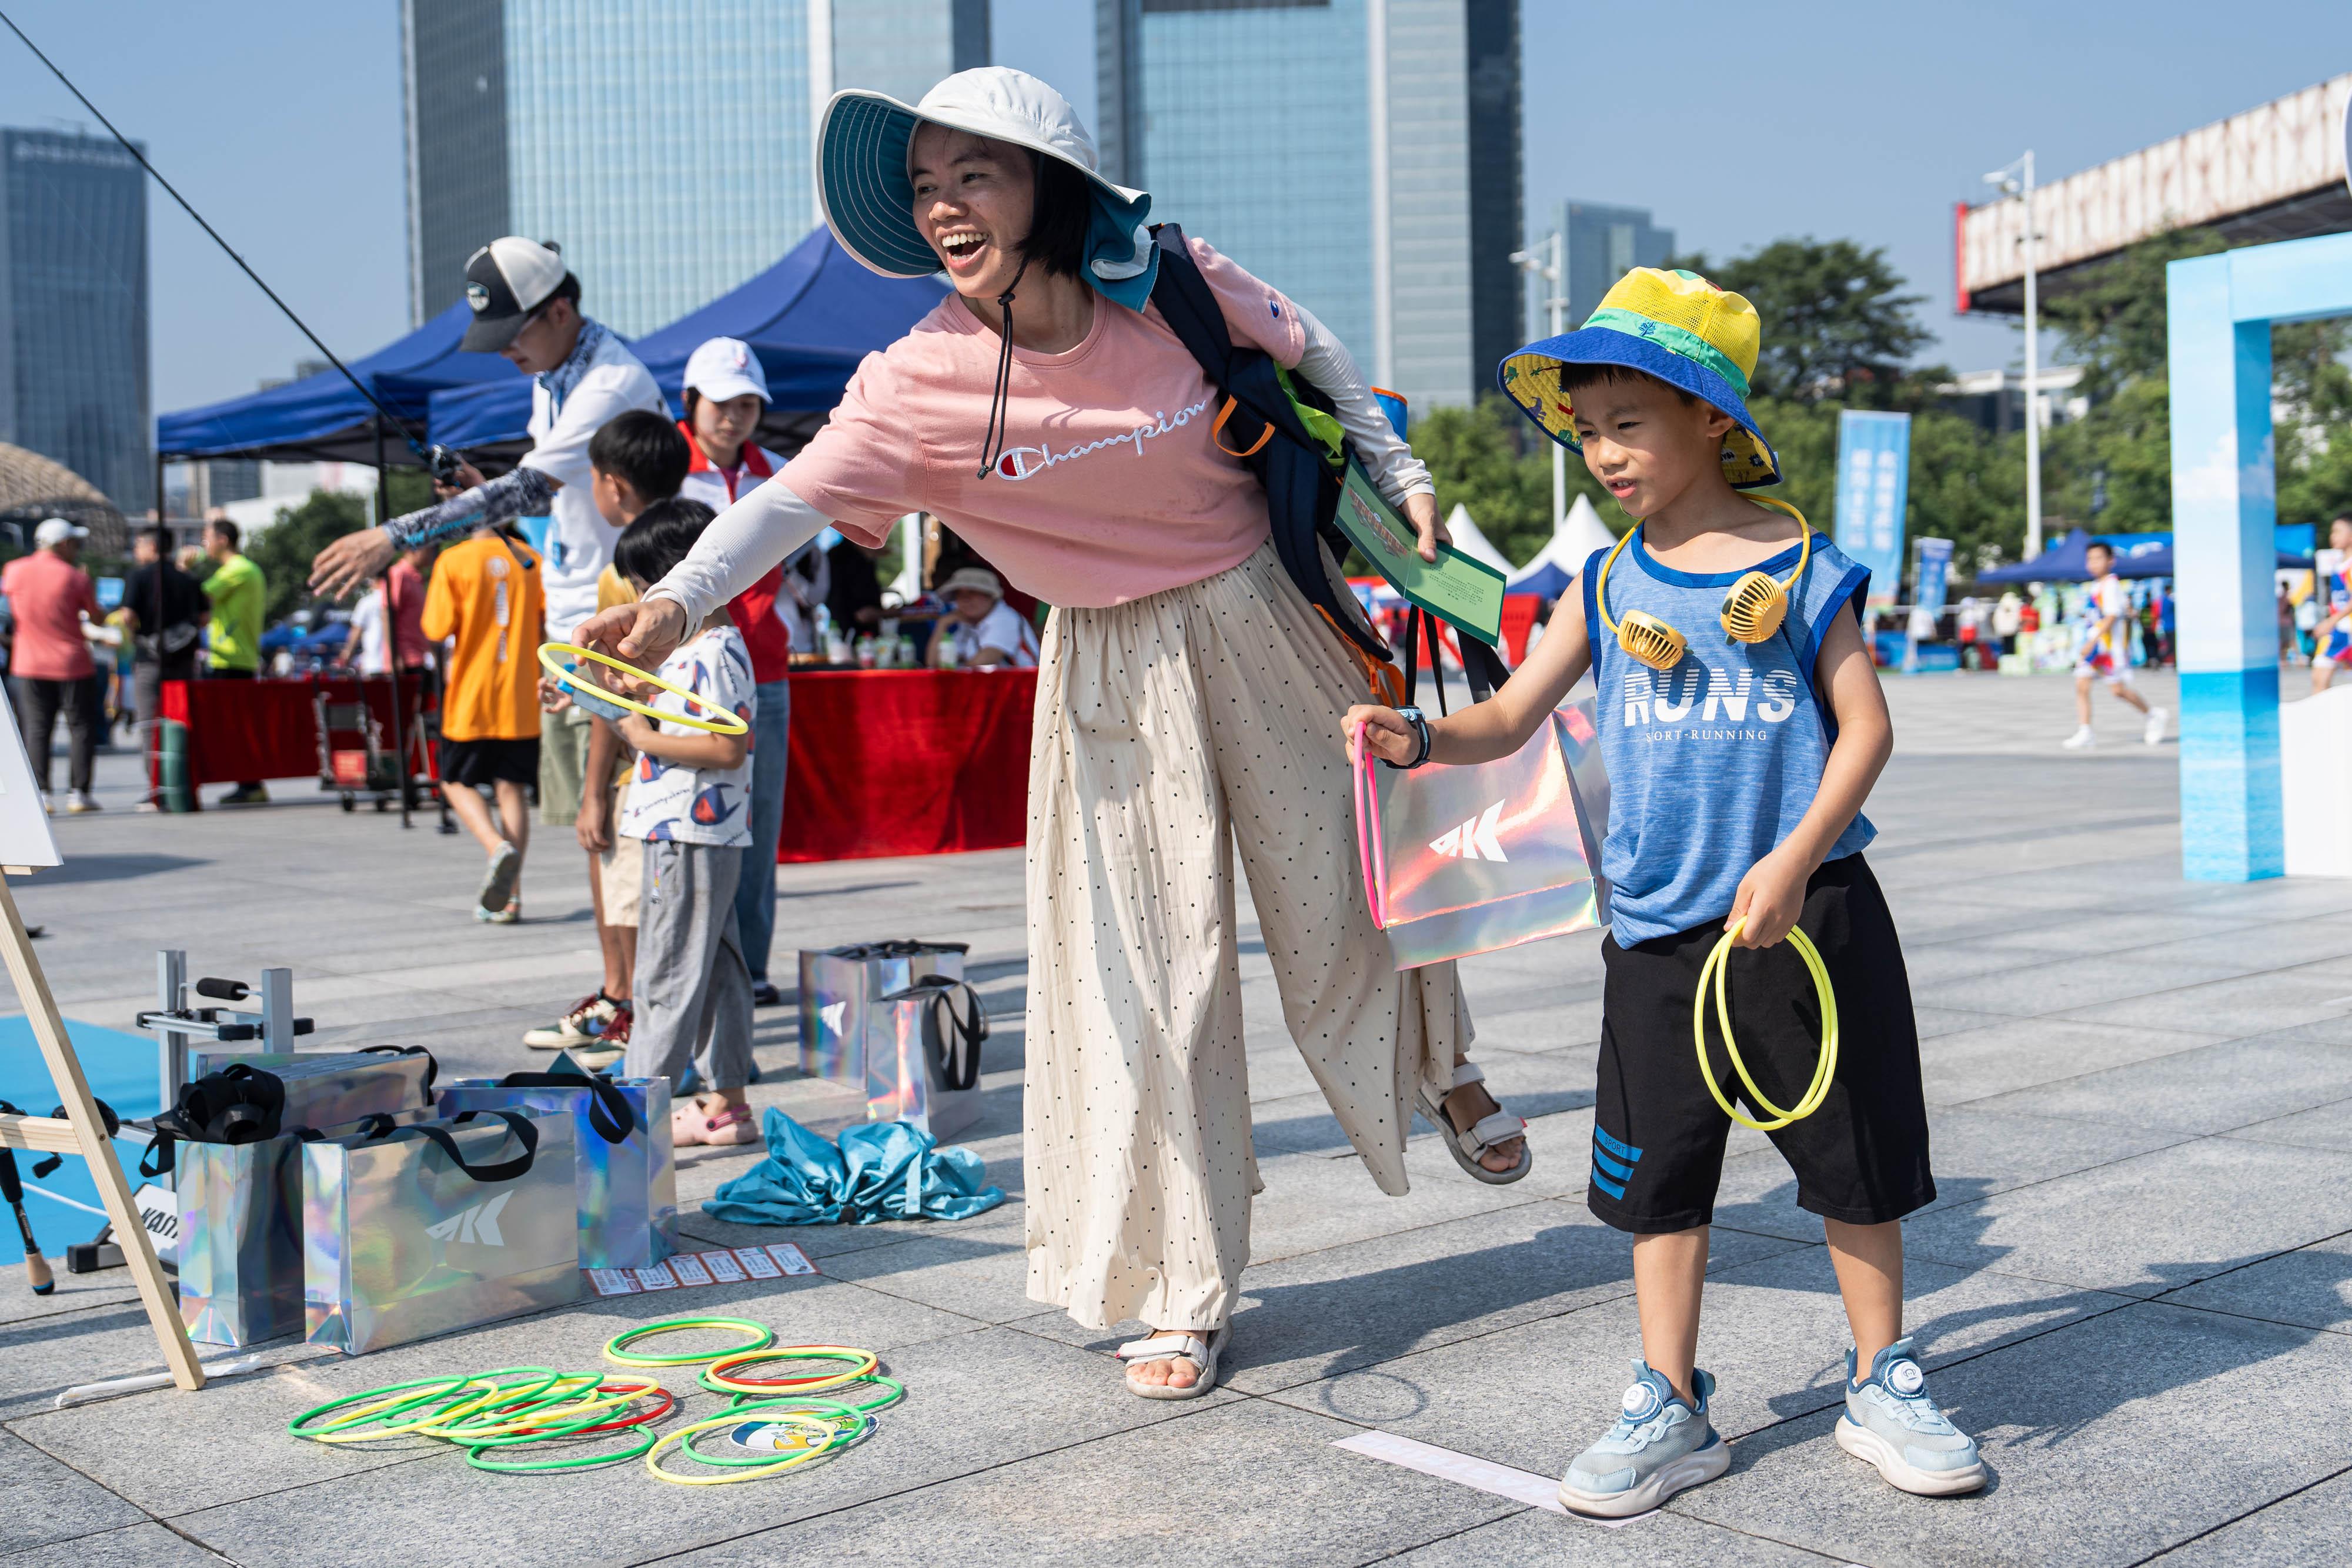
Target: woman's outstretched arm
{"points": [[742, 546]]}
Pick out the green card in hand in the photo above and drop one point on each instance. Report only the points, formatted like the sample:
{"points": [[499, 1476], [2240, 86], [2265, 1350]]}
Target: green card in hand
{"points": [[1464, 592]]}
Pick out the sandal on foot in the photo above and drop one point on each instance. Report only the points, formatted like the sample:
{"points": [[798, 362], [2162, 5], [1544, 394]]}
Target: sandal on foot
{"points": [[1200, 1349], [691, 1124], [1467, 1145]]}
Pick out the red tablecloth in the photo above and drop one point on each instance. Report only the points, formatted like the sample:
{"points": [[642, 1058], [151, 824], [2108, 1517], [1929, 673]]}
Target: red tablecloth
{"points": [[262, 729], [907, 762]]}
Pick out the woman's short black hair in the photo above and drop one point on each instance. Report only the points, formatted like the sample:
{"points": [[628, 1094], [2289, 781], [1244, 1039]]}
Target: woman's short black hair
{"points": [[649, 547], [644, 447], [1061, 219]]}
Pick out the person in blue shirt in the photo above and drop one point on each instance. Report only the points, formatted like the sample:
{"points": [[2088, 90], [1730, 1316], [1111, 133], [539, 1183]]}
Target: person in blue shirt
{"points": [[1737, 771]]}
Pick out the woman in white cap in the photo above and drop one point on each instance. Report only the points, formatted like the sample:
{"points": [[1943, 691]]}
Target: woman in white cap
{"points": [[726, 394], [1189, 695]]}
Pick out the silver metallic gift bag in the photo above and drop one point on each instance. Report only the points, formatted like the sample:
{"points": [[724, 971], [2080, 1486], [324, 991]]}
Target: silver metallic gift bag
{"points": [[310, 1088], [240, 1208], [1463, 860], [438, 1227], [839, 989], [625, 1171], [922, 1056]]}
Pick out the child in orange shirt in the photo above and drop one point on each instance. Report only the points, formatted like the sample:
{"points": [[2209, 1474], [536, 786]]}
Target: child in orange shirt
{"points": [[488, 595]]}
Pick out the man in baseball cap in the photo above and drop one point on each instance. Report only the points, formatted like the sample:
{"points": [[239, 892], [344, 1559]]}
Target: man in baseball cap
{"points": [[507, 283]]}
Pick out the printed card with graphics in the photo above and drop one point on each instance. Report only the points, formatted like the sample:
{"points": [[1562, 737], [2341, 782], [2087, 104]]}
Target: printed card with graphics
{"points": [[1467, 594]]}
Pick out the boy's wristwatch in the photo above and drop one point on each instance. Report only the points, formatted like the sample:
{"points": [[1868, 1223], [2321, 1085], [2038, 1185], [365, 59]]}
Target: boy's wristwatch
{"points": [[1419, 722]]}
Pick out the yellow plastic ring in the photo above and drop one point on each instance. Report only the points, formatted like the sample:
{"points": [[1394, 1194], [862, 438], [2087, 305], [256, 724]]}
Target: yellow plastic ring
{"points": [[1717, 968], [715, 1376], [726, 723], [496, 1385], [833, 1433]]}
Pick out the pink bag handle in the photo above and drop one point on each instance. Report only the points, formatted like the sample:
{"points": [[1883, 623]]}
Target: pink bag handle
{"points": [[1369, 853]]}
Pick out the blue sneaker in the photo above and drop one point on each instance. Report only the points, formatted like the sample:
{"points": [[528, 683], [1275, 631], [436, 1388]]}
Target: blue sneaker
{"points": [[1659, 1445], [1891, 1421]]}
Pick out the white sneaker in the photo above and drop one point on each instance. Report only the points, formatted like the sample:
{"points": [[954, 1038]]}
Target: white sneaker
{"points": [[2153, 733], [2082, 739]]}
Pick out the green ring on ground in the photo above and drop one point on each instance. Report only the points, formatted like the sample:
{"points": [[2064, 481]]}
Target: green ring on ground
{"points": [[615, 1350], [892, 1391], [439, 1386], [648, 1438]]}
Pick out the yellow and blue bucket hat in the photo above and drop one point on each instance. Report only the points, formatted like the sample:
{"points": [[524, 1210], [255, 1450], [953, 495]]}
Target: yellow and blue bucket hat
{"points": [[1676, 326]]}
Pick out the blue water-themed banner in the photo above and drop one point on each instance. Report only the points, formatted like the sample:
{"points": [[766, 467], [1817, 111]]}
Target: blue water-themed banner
{"points": [[1874, 478], [1934, 576]]}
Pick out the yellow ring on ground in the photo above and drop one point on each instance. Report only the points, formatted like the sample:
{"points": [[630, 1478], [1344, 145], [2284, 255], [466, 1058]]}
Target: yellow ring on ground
{"points": [[727, 724], [465, 1408], [737, 1418], [1717, 968], [581, 1401]]}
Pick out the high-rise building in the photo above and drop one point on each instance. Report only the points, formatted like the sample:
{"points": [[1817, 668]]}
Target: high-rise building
{"points": [[1361, 155], [73, 308], [1604, 244], [667, 149]]}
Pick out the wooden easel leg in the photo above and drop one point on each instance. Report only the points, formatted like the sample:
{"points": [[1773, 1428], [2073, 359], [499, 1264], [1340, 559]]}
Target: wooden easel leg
{"points": [[160, 1296]]}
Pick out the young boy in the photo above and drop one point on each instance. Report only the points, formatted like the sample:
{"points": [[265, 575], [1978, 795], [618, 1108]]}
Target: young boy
{"points": [[689, 801], [1737, 778], [636, 459], [2105, 653], [488, 594]]}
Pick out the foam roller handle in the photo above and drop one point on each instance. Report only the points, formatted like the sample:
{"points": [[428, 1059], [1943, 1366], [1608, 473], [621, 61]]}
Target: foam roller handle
{"points": [[223, 990]]}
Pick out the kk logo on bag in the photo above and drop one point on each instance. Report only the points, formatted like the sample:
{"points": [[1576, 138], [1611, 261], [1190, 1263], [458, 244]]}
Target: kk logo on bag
{"points": [[475, 1227], [831, 1013], [1473, 840]]}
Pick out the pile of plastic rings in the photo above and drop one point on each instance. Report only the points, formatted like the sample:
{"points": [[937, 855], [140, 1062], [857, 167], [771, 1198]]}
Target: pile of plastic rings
{"points": [[825, 1401]]}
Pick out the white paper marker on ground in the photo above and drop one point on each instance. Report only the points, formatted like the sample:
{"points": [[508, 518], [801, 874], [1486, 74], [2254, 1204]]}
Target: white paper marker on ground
{"points": [[1485, 1475]]}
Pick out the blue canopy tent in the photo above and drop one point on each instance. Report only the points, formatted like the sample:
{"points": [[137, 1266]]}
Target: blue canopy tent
{"points": [[2137, 555], [322, 418], [810, 319]]}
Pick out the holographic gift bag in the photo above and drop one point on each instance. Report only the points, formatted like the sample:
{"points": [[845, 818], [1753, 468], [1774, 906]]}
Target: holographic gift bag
{"points": [[1459, 861], [841, 990], [626, 1170], [922, 1057], [436, 1226], [240, 1210]]}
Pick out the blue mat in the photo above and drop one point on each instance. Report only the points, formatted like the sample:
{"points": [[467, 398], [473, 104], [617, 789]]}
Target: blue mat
{"points": [[121, 1069]]}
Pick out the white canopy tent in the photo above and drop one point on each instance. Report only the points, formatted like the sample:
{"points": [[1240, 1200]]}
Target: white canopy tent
{"points": [[1473, 544]]}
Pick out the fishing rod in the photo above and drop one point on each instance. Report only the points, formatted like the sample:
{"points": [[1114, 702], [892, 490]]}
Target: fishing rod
{"points": [[439, 460]]}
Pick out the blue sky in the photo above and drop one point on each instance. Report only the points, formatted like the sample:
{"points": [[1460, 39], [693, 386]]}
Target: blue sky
{"points": [[280, 120]]}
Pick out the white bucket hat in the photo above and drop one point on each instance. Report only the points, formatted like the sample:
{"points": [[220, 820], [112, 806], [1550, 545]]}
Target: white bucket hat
{"points": [[870, 201]]}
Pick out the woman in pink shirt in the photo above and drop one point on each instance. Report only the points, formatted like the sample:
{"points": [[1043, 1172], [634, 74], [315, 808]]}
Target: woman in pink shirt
{"points": [[48, 594], [1189, 695]]}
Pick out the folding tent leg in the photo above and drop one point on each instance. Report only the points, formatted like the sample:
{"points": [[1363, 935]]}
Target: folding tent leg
{"points": [[160, 1296]]}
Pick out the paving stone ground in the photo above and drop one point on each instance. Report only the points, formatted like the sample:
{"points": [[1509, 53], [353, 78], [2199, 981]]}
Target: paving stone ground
{"points": [[2135, 1286]]}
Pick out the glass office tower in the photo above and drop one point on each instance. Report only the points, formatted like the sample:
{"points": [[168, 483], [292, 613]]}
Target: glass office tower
{"points": [[1603, 244], [666, 148], [73, 309], [1361, 155]]}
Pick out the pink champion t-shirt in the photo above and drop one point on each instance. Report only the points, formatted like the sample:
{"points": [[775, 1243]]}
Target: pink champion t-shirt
{"points": [[1109, 488]]}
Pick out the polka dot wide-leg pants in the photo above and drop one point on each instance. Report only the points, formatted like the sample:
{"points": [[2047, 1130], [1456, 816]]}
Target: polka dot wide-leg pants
{"points": [[1170, 731]]}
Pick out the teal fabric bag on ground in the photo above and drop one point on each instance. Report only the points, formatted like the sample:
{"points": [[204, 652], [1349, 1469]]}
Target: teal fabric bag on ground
{"points": [[884, 1170]]}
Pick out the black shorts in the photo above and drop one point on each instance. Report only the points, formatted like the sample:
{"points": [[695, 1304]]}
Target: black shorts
{"points": [[1658, 1136], [489, 761]]}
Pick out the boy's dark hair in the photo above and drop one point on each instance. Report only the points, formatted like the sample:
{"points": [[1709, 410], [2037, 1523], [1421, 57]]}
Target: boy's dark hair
{"points": [[1061, 219], [225, 529], [1574, 378], [652, 546], [567, 289], [2098, 545], [644, 448]]}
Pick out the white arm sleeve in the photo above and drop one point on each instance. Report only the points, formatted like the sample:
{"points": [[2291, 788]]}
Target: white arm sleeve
{"points": [[742, 546], [1389, 461]]}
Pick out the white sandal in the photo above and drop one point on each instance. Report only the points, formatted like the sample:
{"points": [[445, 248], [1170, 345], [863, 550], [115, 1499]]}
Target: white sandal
{"points": [[1468, 1144], [1202, 1351]]}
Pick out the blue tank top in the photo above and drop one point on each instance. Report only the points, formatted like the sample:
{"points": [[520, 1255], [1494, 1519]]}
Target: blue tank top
{"points": [[1714, 762]]}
